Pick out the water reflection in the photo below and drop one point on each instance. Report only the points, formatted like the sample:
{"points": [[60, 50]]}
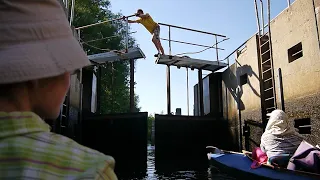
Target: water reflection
{"points": [[152, 174]]}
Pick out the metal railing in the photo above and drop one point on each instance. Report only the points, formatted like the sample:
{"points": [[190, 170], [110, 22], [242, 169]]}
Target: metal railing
{"points": [[215, 46], [126, 18], [170, 40]]}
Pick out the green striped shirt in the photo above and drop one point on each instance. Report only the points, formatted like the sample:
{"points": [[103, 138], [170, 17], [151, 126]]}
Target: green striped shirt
{"points": [[28, 150]]}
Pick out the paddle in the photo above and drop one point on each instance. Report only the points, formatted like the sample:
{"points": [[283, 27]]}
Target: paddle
{"points": [[224, 151]]}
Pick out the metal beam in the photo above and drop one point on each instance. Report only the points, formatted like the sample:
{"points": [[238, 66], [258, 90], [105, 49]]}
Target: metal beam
{"points": [[200, 85], [200, 45], [187, 91], [131, 85], [168, 91], [281, 91], [204, 32], [94, 24]]}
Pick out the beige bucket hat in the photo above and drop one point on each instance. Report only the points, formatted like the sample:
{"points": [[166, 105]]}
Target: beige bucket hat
{"points": [[36, 41]]}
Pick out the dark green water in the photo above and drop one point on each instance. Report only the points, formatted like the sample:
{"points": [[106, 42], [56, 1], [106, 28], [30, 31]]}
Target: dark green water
{"points": [[152, 174]]}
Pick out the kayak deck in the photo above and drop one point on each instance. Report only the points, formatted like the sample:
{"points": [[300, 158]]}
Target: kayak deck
{"points": [[240, 164]]}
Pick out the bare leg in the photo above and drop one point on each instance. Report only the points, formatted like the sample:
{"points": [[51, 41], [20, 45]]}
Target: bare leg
{"points": [[156, 44], [160, 46]]}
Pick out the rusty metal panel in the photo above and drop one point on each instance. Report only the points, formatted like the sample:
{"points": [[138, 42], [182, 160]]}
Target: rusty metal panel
{"points": [[183, 139], [122, 136]]}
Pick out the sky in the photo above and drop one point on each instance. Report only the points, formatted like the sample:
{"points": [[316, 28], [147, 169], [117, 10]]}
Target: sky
{"points": [[235, 19]]}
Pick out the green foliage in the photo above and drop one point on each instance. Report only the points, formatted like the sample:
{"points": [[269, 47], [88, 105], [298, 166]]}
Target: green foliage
{"points": [[115, 94]]}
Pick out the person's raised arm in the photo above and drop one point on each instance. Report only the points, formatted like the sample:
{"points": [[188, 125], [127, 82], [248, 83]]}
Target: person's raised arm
{"points": [[134, 21], [129, 21]]}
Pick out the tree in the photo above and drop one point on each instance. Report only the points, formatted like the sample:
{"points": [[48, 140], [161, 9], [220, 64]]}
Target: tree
{"points": [[115, 94]]}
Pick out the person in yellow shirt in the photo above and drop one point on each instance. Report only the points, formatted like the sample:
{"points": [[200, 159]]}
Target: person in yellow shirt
{"points": [[153, 27]]}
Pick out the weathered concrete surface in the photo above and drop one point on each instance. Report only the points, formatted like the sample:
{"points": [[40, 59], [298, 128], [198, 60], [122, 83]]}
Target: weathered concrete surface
{"points": [[245, 99], [229, 96], [301, 82], [229, 100], [317, 14], [307, 107], [247, 64], [294, 25]]}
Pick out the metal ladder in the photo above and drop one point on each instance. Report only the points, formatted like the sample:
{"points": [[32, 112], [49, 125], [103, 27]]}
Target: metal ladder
{"points": [[268, 94]]}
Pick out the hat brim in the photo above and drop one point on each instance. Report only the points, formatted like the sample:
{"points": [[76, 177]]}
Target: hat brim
{"points": [[41, 59]]}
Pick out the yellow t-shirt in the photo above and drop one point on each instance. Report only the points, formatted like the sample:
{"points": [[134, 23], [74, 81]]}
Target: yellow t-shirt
{"points": [[148, 23]]}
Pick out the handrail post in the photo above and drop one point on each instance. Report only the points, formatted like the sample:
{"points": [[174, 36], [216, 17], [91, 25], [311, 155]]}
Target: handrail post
{"points": [[168, 79], [169, 40], [168, 91], [187, 91], [72, 11], [228, 61], [217, 51], [79, 39], [257, 15], [127, 34], [262, 17]]}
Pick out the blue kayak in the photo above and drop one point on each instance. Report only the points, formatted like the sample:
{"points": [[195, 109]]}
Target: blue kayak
{"points": [[238, 166]]}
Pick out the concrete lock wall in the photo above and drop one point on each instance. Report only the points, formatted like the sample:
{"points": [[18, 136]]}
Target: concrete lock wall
{"points": [[241, 98], [229, 99], [301, 78], [301, 82], [249, 93]]}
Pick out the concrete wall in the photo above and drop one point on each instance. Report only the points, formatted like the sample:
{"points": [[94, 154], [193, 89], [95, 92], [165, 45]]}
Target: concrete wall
{"points": [[249, 93], [301, 78], [229, 99], [294, 25], [243, 100]]}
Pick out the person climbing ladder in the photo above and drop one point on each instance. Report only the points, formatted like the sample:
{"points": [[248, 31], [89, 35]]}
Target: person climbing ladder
{"points": [[153, 27]]}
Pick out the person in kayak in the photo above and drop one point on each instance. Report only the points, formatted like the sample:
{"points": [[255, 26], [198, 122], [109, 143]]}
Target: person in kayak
{"points": [[153, 27], [279, 138]]}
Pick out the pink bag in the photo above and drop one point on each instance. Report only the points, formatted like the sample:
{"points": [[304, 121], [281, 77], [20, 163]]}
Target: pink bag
{"points": [[259, 157]]}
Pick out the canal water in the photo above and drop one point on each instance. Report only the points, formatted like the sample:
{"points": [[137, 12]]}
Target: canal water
{"points": [[152, 174]]}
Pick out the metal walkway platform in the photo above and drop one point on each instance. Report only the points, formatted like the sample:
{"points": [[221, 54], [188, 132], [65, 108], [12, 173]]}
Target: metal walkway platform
{"points": [[190, 63], [133, 53]]}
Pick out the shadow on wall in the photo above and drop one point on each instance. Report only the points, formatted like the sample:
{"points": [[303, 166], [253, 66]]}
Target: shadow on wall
{"points": [[231, 84], [247, 71], [235, 81]]}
